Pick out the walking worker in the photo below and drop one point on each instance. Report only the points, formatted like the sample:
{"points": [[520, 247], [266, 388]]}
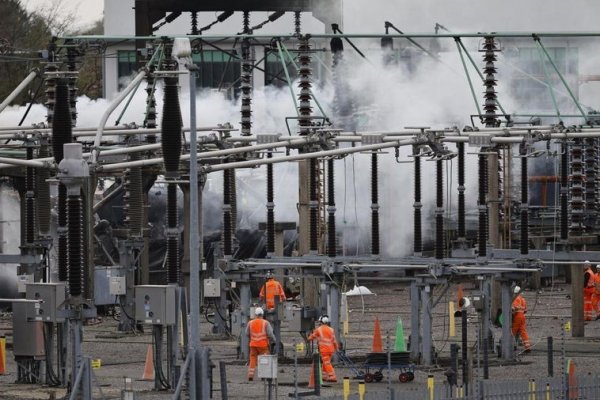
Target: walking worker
{"points": [[325, 336], [519, 323], [259, 331], [596, 297], [589, 279], [269, 290]]}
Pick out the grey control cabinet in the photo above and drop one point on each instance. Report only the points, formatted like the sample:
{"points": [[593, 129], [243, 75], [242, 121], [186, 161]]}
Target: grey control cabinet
{"points": [[52, 295], [28, 336], [155, 304]]}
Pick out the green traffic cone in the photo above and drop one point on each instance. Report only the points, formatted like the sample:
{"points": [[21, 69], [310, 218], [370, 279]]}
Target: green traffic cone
{"points": [[400, 343]]}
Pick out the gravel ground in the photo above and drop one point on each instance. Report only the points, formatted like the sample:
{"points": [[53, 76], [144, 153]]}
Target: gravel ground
{"points": [[124, 356]]}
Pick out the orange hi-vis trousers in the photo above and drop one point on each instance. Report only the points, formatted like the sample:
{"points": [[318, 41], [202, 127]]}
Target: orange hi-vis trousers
{"points": [[254, 353], [328, 370], [588, 307], [519, 328]]}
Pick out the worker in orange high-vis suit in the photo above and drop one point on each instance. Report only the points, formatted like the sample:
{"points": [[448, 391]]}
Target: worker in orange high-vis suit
{"points": [[259, 332], [325, 336], [596, 297], [589, 279], [519, 323], [270, 290]]}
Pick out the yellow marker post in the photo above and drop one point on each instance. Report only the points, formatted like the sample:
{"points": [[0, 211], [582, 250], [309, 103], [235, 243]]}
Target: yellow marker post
{"points": [[2, 355], [548, 397], [346, 327], [96, 363], [452, 329], [459, 392], [430, 386], [533, 389], [361, 390], [346, 388]]}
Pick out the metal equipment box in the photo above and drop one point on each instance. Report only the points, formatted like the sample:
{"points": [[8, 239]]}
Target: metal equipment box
{"points": [[155, 304], [28, 336], [212, 288], [52, 295], [117, 286], [103, 276], [478, 301], [300, 319], [267, 366]]}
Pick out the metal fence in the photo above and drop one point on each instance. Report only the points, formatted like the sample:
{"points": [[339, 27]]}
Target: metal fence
{"points": [[581, 388]]}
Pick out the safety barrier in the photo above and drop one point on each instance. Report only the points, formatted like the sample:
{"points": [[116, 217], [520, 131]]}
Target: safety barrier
{"points": [[557, 388]]}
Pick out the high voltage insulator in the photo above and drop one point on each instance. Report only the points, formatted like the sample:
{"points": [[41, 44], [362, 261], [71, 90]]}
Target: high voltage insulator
{"points": [[418, 240], [227, 223], [30, 198], [50, 84], [297, 23], [134, 196], [314, 210], [331, 232], [171, 126], [61, 133], [72, 55], [591, 171], [247, 66], [439, 212], [173, 267], [490, 106], [482, 206], [270, 208], [461, 191], [564, 191], [576, 198], [305, 85], [374, 205], [150, 118], [524, 202]]}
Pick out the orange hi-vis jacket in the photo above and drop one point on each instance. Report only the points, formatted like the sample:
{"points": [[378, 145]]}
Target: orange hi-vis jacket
{"points": [[325, 335], [597, 283], [273, 288], [519, 304], [258, 330]]}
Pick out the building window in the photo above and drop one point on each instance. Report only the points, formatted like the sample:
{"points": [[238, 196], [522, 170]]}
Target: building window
{"points": [[274, 73], [532, 94], [218, 70], [126, 65]]}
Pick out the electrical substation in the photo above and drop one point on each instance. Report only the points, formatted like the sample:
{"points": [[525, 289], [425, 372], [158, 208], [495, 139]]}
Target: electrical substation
{"points": [[143, 248]]}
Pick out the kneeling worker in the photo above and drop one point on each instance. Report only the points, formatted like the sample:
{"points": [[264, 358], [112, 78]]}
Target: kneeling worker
{"points": [[325, 336], [259, 331]]}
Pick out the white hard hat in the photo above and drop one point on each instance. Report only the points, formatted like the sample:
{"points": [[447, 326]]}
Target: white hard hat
{"points": [[464, 302], [258, 311], [325, 319], [517, 289], [587, 262], [597, 266]]}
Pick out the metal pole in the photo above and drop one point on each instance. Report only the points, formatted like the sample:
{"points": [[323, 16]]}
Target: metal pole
{"points": [[507, 340], [415, 338], [462, 58], [194, 236], [18, 89], [427, 354], [245, 314]]}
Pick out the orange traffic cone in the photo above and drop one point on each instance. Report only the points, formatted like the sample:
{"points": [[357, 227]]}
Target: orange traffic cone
{"points": [[149, 365], [377, 342], [459, 295], [311, 377]]}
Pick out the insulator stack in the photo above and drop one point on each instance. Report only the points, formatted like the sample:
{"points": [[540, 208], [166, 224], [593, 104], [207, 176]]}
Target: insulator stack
{"points": [[43, 205], [173, 267], [134, 197], [297, 23], [233, 202], [171, 127], [305, 85], [171, 148], [564, 191], [342, 98], [150, 118], [490, 106], [439, 211], [194, 23], [50, 80], [72, 54], [227, 225], [246, 88], [62, 132], [591, 171], [314, 210], [482, 206], [270, 208], [418, 240], [387, 47], [75, 242], [461, 191], [331, 232], [524, 203], [30, 195], [576, 188], [374, 206]]}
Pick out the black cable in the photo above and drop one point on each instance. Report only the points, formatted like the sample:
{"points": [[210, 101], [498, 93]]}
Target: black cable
{"points": [[33, 99]]}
